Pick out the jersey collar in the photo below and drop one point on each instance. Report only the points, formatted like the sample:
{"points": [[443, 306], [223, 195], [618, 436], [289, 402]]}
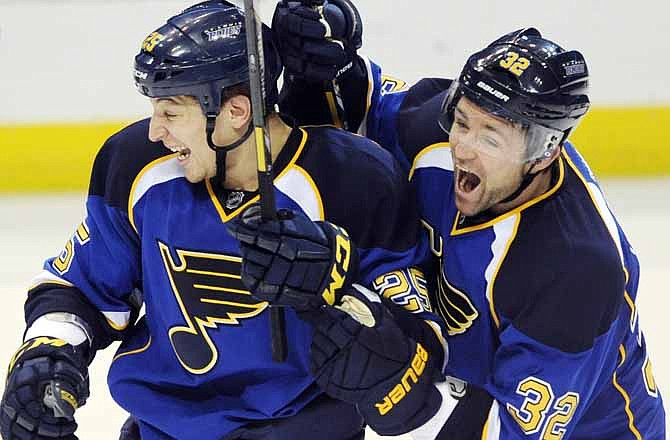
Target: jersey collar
{"points": [[464, 225], [289, 154]]}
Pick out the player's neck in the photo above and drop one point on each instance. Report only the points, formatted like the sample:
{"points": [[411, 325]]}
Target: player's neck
{"points": [[540, 184], [241, 166]]}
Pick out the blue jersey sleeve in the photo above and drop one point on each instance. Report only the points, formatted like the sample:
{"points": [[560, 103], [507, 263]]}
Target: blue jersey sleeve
{"points": [[551, 356], [98, 274]]}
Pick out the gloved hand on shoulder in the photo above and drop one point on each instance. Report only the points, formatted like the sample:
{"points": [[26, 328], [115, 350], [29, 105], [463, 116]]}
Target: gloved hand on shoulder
{"points": [[317, 40]]}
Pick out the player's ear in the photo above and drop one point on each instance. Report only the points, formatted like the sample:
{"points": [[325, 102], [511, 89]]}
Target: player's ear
{"points": [[239, 108], [546, 160]]}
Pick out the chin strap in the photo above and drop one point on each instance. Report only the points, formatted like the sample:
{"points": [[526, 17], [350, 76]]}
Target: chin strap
{"points": [[222, 150], [527, 180]]}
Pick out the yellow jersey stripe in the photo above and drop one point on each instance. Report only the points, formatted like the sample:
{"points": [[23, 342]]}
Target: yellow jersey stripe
{"points": [[626, 398]]}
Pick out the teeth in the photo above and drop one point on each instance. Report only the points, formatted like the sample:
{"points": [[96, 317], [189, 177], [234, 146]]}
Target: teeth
{"points": [[175, 149]]}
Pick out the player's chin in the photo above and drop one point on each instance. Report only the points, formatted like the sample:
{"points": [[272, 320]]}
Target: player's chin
{"points": [[470, 203], [466, 207], [194, 176]]}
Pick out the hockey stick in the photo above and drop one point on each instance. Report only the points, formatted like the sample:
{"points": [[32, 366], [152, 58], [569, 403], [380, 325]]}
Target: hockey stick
{"points": [[254, 32]]}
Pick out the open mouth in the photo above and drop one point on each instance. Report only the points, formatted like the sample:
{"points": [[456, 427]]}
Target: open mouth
{"points": [[466, 181], [184, 152]]}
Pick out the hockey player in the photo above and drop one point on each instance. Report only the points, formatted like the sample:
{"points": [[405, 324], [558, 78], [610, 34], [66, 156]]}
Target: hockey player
{"points": [[163, 192], [534, 276]]}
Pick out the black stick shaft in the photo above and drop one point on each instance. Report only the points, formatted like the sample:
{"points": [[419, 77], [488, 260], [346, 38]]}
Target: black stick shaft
{"points": [[254, 33]]}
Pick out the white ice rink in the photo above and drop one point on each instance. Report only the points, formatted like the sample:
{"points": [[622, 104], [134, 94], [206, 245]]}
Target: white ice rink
{"points": [[33, 228]]}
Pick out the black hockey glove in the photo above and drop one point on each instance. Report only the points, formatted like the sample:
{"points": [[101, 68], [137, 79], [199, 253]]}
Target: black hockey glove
{"points": [[317, 40], [47, 381], [360, 355], [293, 261]]}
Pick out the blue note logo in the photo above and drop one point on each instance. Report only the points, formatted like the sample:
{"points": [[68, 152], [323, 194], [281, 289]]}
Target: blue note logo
{"points": [[210, 294], [454, 306]]}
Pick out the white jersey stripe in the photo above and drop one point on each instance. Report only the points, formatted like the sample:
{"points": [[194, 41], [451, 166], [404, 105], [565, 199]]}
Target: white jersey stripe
{"points": [[297, 184]]}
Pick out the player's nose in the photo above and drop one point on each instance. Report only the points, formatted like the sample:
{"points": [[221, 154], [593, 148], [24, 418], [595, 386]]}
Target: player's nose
{"points": [[464, 148], [157, 132]]}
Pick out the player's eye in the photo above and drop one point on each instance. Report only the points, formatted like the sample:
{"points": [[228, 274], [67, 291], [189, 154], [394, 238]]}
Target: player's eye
{"points": [[491, 142], [460, 125]]}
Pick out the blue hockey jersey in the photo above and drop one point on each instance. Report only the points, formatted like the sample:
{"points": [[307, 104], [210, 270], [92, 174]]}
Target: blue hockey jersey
{"points": [[198, 364], [539, 301]]}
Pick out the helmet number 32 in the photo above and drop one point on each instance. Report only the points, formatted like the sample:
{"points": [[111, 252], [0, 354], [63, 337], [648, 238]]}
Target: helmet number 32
{"points": [[515, 63]]}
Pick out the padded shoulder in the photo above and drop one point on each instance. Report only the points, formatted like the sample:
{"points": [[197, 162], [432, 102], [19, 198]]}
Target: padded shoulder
{"points": [[418, 115], [120, 160], [362, 186], [562, 282]]}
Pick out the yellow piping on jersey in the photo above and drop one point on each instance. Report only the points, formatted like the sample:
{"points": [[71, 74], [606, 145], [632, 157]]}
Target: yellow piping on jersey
{"points": [[440, 337], [115, 326], [131, 204], [485, 431], [517, 210], [221, 289], [217, 205], [631, 304], [139, 350], [49, 282], [213, 274], [491, 285], [424, 152], [581, 177], [397, 85], [631, 418]]}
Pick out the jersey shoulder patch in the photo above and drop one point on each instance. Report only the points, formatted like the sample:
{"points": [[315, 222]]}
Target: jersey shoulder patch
{"points": [[120, 160]]}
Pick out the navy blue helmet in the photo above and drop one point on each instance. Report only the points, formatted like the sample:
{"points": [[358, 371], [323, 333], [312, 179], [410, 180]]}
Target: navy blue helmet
{"points": [[529, 81], [199, 53]]}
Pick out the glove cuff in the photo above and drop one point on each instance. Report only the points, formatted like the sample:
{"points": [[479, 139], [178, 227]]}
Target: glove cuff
{"points": [[411, 399]]}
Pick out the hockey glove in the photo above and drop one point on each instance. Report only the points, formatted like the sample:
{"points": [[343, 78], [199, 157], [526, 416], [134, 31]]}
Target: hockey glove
{"points": [[293, 261], [360, 355], [47, 381], [317, 43]]}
